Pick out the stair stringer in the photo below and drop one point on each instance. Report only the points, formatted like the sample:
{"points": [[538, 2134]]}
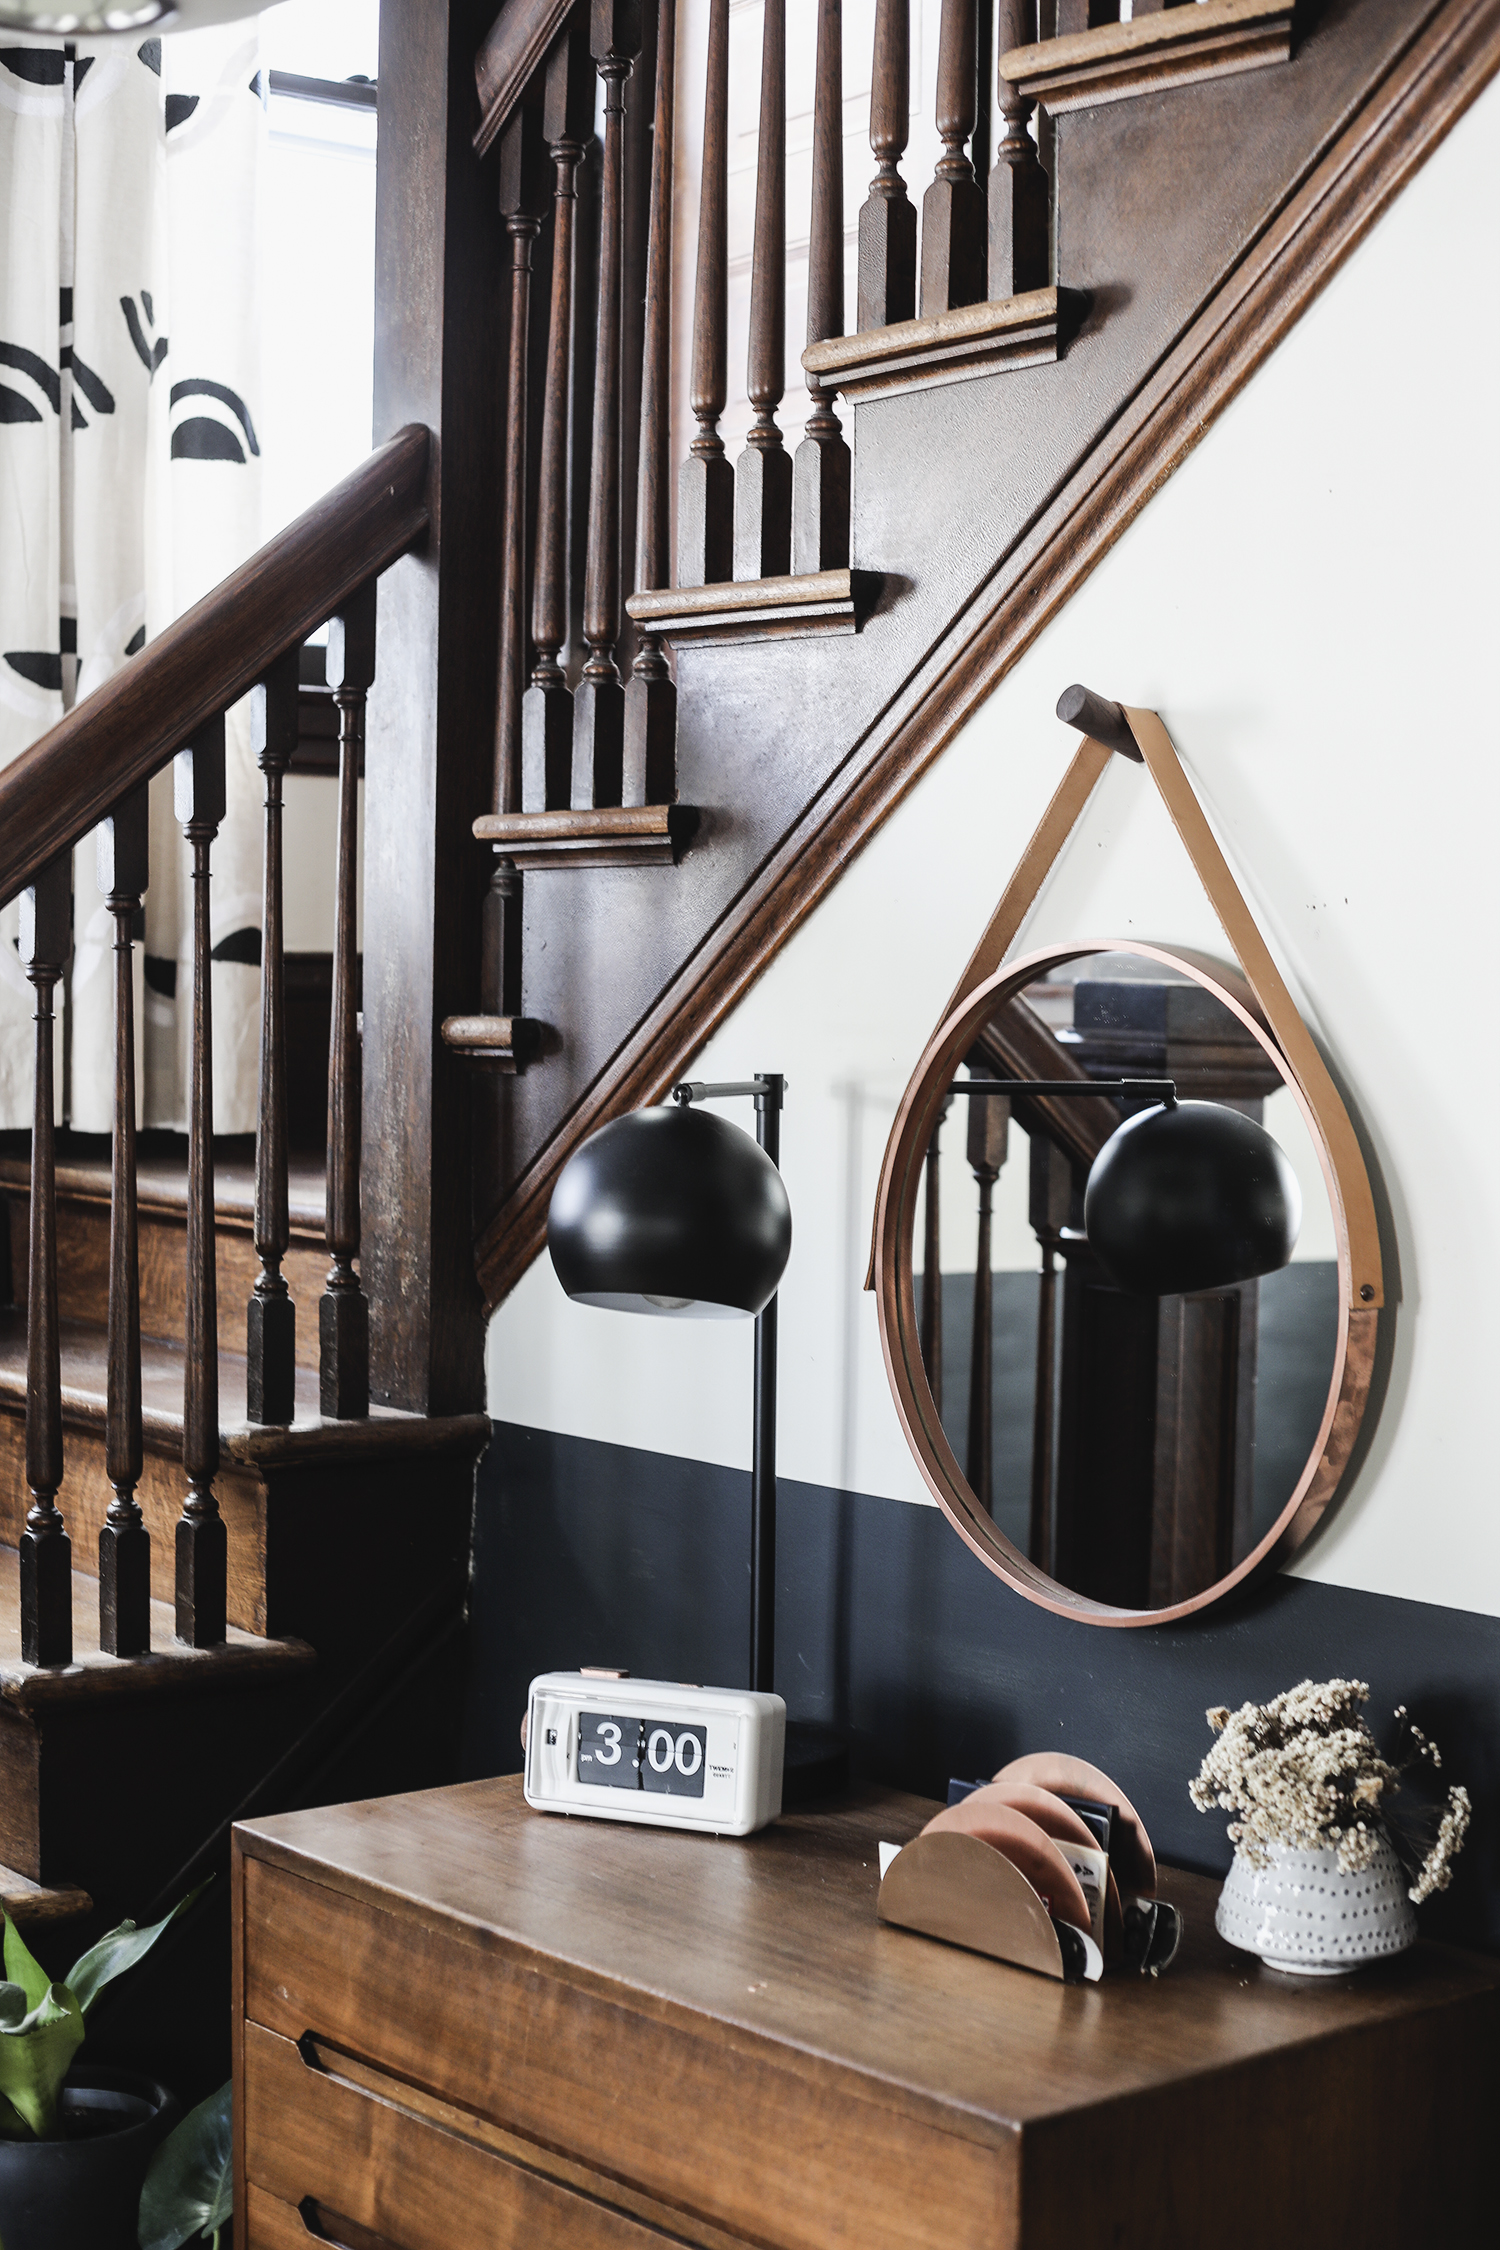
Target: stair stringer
{"points": [[796, 752]]}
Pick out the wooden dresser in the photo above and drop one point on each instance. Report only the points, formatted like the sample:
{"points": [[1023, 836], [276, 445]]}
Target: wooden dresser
{"points": [[460, 2022]]}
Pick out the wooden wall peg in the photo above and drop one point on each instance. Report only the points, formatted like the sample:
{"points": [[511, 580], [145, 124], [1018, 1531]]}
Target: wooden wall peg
{"points": [[344, 1312], [953, 209], [599, 706], [763, 472], [202, 1542], [650, 767], [821, 467], [888, 220], [46, 1558], [271, 1315], [123, 866], [1020, 256]]}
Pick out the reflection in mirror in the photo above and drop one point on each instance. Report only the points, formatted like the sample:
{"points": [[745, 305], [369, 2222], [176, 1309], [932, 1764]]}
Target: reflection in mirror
{"points": [[1134, 1448]]}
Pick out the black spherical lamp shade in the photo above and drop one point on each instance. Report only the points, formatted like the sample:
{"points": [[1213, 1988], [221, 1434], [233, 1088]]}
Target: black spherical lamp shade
{"points": [[1191, 1196], [674, 1212]]}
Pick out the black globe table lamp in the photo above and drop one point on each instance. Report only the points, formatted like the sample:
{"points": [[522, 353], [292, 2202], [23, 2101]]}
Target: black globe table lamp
{"points": [[677, 1213]]}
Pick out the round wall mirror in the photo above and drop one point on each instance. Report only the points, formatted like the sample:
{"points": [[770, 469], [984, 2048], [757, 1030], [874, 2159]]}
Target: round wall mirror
{"points": [[1115, 1455]]}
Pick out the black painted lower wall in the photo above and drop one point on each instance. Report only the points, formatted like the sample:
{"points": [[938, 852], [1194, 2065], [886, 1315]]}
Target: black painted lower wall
{"points": [[600, 1554]]}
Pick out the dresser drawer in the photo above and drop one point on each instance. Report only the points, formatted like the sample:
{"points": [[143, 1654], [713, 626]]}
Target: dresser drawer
{"points": [[355, 2147]]}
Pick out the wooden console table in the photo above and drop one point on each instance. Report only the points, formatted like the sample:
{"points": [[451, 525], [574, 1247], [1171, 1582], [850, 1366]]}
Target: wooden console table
{"points": [[460, 2022]]}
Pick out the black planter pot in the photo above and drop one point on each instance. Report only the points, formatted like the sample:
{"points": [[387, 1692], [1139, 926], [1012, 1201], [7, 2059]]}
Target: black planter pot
{"points": [[83, 2192]]}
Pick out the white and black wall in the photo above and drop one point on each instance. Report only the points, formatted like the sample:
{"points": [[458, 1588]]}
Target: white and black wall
{"points": [[1310, 603]]}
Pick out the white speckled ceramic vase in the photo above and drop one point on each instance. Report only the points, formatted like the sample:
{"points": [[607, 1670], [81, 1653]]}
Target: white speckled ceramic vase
{"points": [[1304, 1915]]}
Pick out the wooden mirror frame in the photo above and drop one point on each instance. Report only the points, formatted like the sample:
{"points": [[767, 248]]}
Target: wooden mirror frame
{"points": [[1258, 997]]}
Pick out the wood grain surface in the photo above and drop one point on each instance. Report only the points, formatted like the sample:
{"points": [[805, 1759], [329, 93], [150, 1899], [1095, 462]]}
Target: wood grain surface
{"points": [[725, 2025]]}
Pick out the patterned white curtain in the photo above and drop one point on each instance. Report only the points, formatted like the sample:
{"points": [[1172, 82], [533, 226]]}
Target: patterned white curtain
{"points": [[129, 485]]}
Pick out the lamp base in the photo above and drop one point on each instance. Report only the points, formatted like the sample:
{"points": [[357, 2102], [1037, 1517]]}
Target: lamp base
{"points": [[816, 1766]]}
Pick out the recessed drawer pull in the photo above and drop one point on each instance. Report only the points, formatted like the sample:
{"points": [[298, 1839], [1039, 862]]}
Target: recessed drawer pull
{"points": [[339, 2233]]}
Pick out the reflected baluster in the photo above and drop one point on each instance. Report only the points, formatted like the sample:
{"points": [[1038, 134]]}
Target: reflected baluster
{"points": [[271, 1316], [763, 472], [651, 698], [599, 707], [123, 864], [202, 1543], [1020, 255], [820, 470], [1050, 1190], [705, 491], [989, 1130], [953, 212], [932, 1262], [46, 1551], [888, 221], [344, 1313]]}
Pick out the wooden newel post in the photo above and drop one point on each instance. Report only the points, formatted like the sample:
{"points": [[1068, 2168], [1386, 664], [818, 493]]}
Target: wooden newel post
{"points": [[547, 705], [651, 697], [343, 1312], [705, 487], [953, 213], [820, 470], [763, 472], [202, 1543], [123, 868], [271, 1317], [989, 1132], [599, 706], [888, 221], [1020, 253], [46, 1550]]}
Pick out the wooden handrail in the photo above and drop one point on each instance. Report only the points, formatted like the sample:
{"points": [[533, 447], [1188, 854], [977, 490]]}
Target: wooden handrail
{"points": [[124, 732]]}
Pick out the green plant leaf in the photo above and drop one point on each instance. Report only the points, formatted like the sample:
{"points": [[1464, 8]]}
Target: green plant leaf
{"points": [[34, 2058], [21, 1968], [189, 2189], [117, 1951]]}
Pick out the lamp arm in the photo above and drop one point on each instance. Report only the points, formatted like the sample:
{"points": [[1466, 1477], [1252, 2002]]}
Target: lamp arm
{"points": [[698, 1090], [1163, 1090]]}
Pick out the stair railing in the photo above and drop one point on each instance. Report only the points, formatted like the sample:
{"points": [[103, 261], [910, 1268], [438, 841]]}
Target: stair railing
{"points": [[167, 706]]}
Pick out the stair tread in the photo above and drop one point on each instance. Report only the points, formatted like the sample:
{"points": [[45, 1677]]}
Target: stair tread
{"points": [[161, 1183], [93, 1673], [84, 1358]]}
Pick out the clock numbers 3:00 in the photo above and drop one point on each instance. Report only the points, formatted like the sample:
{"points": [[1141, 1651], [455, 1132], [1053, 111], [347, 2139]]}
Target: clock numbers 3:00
{"points": [[630, 1753]]}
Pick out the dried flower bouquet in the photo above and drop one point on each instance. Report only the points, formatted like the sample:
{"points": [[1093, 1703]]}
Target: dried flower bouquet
{"points": [[1305, 1771]]}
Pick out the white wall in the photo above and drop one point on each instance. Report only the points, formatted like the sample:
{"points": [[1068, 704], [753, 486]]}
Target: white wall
{"points": [[1310, 603]]}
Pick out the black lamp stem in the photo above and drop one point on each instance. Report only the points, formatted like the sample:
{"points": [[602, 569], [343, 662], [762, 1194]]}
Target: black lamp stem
{"points": [[770, 1090]]}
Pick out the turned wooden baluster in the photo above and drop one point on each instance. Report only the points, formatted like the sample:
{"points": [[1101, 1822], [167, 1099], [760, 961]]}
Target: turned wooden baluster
{"points": [[932, 1263], [651, 697], [1020, 257], [202, 1543], [521, 194], [271, 1316], [705, 490], [953, 213], [820, 470], [123, 865], [343, 1312], [989, 1127], [888, 221], [599, 707], [547, 706], [46, 1550], [763, 472]]}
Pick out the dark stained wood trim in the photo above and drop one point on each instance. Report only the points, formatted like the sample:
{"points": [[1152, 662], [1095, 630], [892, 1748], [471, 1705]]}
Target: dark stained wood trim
{"points": [[1022, 331], [177, 1670], [606, 836], [760, 609], [514, 49], [208, 658], [28, 1903], [1449, 61], [1170, 48]]}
